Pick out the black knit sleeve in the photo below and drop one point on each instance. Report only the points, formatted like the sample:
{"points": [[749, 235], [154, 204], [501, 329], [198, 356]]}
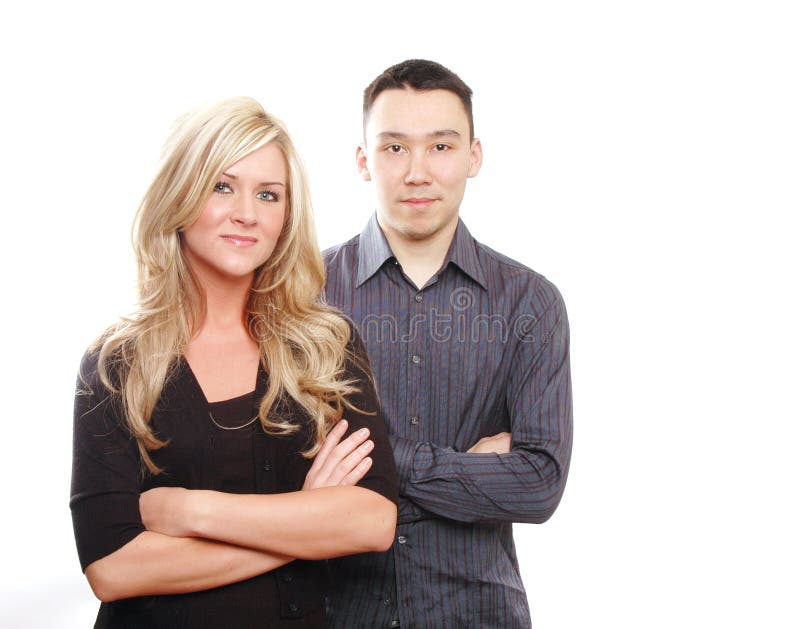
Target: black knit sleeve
{"points": [[382, 476], [106, 470]]}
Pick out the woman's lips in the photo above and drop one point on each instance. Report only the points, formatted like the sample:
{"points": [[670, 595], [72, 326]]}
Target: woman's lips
{"points": [[239, 241]]}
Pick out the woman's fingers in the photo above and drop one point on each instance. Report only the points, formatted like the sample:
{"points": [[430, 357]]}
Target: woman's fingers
{"points": [[331, 441], [360, 468], [337, 465], [337, 460]]}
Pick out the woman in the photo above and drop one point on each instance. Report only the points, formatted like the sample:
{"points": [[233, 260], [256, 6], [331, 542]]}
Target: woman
{"points": [[221, 396]]}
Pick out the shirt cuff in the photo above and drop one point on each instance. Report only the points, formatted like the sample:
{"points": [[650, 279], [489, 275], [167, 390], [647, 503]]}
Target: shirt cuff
{"points": [[404, 451]]}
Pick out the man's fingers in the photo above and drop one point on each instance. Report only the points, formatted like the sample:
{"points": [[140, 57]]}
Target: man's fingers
{"points": [[499, 444]]}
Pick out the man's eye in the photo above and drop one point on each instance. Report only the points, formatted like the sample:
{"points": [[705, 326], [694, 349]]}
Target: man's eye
{"points": [[441, 147], [395, 148]]}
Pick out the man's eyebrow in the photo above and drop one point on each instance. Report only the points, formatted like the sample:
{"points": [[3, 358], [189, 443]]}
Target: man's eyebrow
{"points": [[263, 183], [444, 132], [396, 135], [391, 135]]}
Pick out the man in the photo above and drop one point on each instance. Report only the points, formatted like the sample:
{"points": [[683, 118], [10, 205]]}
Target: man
{"points": [[470, 352]]}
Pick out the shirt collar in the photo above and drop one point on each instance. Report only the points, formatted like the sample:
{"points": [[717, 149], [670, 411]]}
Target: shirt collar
{"points": [[464, 255], [374, 251]]}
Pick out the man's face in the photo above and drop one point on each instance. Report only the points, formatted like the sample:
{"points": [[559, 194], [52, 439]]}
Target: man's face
{"points": [[419, 155]]}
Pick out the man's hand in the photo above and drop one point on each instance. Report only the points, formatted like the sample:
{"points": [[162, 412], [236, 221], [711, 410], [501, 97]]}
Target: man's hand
{"points": [[499, 444], [342, 463], [162, 510]]}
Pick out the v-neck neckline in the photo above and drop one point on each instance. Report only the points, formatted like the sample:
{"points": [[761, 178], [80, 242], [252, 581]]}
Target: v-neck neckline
{"points": [[257, 391]]}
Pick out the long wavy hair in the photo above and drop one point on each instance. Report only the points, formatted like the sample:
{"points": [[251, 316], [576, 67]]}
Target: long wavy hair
{"points": [[302, 341]]}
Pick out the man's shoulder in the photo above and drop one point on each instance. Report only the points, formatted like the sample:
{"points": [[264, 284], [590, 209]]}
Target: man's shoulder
{"points": [[506, 274], [342, 252]]}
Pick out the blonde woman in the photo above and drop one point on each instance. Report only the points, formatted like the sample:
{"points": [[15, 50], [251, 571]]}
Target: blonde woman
{"points": [[211, 469]]}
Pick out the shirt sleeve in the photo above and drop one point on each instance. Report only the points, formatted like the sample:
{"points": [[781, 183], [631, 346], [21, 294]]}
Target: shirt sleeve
{"points": [[382, 476], [524, 485], [106, 470]]}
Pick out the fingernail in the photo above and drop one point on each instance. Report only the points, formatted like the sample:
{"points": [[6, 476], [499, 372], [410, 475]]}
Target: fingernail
{"points": [[368, 445], [342, 424], [363, 432]]}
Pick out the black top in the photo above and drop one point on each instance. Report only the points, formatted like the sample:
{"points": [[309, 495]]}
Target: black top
{"points": [[107, 479]]}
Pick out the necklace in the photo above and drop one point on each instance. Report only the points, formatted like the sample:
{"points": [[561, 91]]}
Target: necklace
{"points": [[221, 427]]}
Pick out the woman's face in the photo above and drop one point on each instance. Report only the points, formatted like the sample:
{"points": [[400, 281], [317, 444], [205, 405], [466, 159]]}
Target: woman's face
{"points": [[241, 221]]}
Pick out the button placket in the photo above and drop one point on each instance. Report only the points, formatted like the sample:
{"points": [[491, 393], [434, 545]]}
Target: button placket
{"points": [[417, 327]]}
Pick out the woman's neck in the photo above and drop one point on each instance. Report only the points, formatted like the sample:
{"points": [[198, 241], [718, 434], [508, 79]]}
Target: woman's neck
{"points": [[222, 353], [226, 302]]}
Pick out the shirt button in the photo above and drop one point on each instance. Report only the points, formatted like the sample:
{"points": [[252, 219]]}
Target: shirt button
{"points": [[293, 607], [287, 578], [418, 297], [267, 466], [401, 539], [387, 601], [414, 420], [416, 359]]}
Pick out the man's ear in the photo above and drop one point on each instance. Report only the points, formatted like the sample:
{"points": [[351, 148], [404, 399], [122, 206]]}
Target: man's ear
{"points": [[475, 157], [361, 162]]}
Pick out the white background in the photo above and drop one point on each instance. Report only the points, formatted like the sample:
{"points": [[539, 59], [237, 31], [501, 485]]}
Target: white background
{"points": [[642, 155]]}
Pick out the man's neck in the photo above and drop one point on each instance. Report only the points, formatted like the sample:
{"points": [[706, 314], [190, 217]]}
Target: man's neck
{"points": [[422, 258]]}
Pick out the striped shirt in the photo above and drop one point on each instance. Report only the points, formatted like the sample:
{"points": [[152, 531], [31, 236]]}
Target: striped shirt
{"points": [[482, 348]]}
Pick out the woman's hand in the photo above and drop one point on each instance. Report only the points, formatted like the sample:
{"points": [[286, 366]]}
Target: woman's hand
{"points": [[340, 462], [169, 510], [164, 510]]}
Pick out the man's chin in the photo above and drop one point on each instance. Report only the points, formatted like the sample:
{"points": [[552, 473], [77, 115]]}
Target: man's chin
{"points": [[417, 235], [418, 228], [422, 228]]}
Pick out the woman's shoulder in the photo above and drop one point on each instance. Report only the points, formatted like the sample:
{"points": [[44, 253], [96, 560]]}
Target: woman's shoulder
{"points": [[355, 352], [100, 375]]}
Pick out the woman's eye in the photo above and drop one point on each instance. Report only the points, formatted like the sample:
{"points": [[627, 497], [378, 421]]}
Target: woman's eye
{"points": [[222, 187], [267, 195]]}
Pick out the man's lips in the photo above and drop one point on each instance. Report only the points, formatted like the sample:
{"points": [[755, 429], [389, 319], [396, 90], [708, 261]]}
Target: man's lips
{"points": [[419, 202], [239, 241]]}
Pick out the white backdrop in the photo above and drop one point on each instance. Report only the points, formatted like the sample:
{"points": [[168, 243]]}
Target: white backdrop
{"points": [[642, 155]]}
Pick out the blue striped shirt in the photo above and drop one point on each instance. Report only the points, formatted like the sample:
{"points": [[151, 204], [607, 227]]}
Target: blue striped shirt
{"points": [[482, 348]]}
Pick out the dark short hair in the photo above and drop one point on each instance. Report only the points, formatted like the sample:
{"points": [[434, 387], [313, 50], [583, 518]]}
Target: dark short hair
{"points": [[423, 75]]}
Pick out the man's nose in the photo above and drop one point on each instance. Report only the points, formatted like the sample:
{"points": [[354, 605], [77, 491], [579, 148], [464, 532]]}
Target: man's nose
{"points": [[418, 172]]}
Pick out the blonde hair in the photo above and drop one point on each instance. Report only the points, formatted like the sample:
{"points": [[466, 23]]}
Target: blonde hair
{"points": [[302, 341]]}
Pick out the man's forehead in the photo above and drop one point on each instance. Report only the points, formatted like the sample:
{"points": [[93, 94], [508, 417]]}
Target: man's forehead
{"points": [[417, 112]]}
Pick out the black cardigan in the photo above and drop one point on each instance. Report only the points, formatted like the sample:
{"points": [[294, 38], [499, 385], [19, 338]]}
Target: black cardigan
{"points": [[107, 479]]}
